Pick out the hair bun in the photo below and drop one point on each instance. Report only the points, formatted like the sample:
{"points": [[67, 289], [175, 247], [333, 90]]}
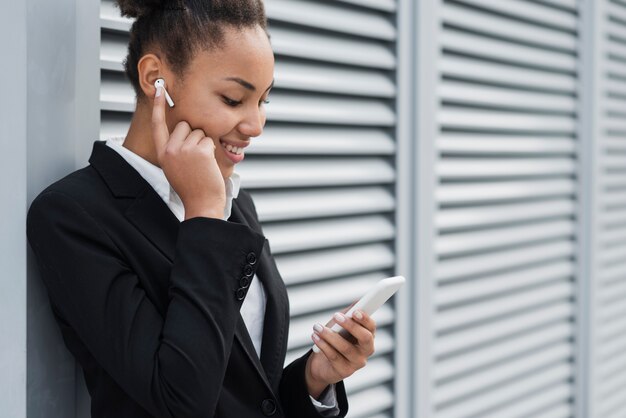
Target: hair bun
{"points": [[138, 8]]}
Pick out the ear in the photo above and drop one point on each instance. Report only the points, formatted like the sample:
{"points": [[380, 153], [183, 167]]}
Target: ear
{"points": [[149, 69]]}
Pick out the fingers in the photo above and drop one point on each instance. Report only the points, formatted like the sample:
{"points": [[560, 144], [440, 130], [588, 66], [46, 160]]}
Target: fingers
{"points": [[160, 134], [332, 321], [338, 361], [362, 330]]}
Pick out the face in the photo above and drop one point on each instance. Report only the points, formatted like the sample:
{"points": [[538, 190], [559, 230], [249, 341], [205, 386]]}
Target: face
{"points": [[223, 93]]}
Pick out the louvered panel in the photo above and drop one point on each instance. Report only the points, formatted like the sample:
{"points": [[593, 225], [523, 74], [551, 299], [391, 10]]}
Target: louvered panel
{"points": [[470, 94], [484, 287], [483, 311], [501, 260], [504, 27], [296, 75], [321, 140], [503, 51], [330, 17], [503, 328], [493, 376], [506, 234], [328, 233], [500, 352], [540, 403], [449, 220], [309, 172], [470, 144], [371, 401], [609, 360], [528, 11], [318, 204], [466, 68], [332, 49], [480, 242], [549, 374], [456, 194], [323, 264], [322, 174]]}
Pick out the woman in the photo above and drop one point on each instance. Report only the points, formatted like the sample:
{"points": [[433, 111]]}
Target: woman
{"points": [[157, 270]]}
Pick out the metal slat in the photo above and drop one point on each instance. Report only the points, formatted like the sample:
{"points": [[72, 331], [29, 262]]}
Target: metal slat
{"points": [[461, 341], [311, 235], [505, 121], [528, 11], [503, 191], [489, 378], [324, 264], [463, 267], [500, 50], [510, 29], [370, 401], [272, 206], [488, 216], [509, 304], [333, 79], [485, 72], [322, 140], [309, 172], [490, 168], [470, 94], [327, 48], [479, 242], [330, 17], [549, 376], [500, 352], [491, 286]]}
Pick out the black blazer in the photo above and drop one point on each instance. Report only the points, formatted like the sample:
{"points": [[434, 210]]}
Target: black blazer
{"points": [[149, 306]]}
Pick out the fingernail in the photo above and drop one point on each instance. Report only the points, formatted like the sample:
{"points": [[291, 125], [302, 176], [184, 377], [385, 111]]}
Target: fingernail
{"points": [[318, 327], [339, 317], [358, 314], [316, 337], [158, 91]]}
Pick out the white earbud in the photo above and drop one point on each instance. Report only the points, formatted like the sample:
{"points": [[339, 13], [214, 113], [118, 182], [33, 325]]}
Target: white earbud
{"points": [[161, 83]]}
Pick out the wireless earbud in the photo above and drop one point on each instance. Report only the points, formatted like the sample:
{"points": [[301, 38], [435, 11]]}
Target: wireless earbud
{"points": [[161, 83]]}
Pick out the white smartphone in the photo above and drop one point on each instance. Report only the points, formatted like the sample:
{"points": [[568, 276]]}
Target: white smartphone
{"points": [[371, 301]]}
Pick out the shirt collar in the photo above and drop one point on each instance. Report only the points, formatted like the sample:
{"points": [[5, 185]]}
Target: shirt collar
{"points": [[156, 177]]}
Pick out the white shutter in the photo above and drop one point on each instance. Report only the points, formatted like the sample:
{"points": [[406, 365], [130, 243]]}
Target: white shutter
{"points": [[608, 305], [504, 281], [322, 175]]}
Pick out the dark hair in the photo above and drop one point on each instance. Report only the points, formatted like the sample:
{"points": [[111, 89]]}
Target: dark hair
{"points": [[180, 28]]}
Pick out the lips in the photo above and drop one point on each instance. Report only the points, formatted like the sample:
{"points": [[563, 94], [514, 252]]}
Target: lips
{"points": [[233, 152]]}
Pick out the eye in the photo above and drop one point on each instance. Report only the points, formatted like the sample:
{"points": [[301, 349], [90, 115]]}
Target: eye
{"points": [[231, 102]]}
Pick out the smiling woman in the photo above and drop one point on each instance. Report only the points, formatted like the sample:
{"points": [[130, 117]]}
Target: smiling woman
{"points": [[155, 263]]}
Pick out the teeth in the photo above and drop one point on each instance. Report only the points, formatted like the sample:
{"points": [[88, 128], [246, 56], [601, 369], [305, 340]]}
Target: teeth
{"points": [[232, 149]]}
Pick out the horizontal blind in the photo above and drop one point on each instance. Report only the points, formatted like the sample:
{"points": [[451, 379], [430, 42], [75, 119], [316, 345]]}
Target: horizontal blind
{"points": [[609, 362], [503, 321], [322, 174]]}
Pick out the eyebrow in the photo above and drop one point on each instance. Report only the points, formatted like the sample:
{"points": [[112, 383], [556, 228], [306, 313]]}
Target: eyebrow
{"points": [[246, 84]]}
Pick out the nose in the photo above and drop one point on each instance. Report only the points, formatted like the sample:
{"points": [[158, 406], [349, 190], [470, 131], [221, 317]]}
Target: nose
{"points": [[253, 123]]}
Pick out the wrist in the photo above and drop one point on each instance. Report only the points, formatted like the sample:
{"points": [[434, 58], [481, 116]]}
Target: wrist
{"points": [[314, 385], [193, 211]]}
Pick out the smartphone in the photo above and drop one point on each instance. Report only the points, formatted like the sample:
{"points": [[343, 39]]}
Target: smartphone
{"points": [[371, 301]]}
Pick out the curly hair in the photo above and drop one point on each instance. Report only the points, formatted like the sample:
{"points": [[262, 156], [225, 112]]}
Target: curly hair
{"points": [[180, 28]]}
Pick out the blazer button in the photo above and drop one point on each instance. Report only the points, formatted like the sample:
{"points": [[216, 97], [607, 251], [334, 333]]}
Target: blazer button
{"points": [[244, 282], [268, 406], [248, 270], [251, 258], [240, 293]]}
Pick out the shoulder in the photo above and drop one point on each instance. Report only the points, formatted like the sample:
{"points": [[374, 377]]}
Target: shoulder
{"points": [[80, 189]]}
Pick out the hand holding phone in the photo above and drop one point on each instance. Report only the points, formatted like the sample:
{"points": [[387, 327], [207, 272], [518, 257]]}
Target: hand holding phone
{"points": [[370, 302]]}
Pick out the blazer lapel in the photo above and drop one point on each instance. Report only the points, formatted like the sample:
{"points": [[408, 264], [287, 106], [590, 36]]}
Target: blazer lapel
{"points": [[148, 212]]}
